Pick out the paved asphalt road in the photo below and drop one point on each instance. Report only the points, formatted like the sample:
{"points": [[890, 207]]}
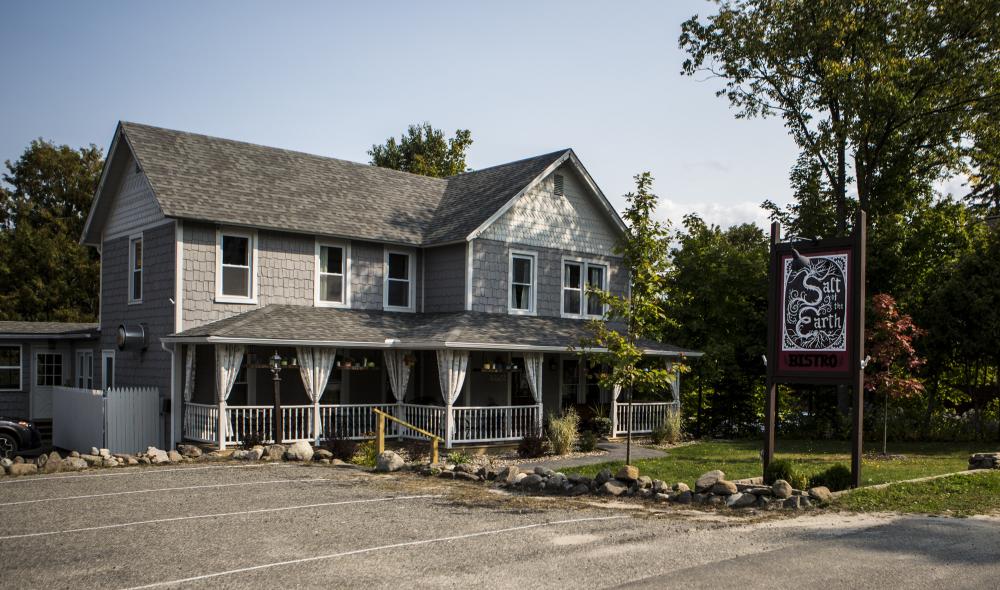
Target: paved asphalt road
{"points": [[282, 526]]}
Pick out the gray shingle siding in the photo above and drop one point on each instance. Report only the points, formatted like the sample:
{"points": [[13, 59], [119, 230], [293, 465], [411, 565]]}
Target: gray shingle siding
{"points": [[367, 260], [133, 367], [444, 274], [491, 269]]}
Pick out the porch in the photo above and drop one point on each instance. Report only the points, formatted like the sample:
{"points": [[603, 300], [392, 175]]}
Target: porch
{"points": [[492, 386]]}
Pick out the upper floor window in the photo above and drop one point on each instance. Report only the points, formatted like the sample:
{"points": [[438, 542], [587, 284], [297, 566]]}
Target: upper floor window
{"points": [[399, 280], [331, 274], [522, 282], [135, 268], [10, 368], [579, 277], [236, 254]]}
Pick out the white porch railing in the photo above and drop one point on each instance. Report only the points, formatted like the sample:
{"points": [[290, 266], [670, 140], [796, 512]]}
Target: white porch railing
{"points": [[429, 418], [249, 420], [354, 421], [494, 423], [201, 422], [646, 416]]}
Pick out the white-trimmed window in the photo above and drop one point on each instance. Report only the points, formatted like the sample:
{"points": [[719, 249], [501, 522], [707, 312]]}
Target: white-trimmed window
{"points": [[523, 278], [49, 369], [10, 367], [399, 281], [108, 368], [579, 276], [135, 269], [332, 274], [85, 369], [236, 269]]}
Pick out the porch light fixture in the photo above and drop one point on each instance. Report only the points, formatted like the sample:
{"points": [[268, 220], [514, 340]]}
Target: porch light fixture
{"points": [[276, 362], [276, 371]]}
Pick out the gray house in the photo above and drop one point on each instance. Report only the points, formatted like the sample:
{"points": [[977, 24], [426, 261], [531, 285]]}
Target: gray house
{"points": [[449, 302]]}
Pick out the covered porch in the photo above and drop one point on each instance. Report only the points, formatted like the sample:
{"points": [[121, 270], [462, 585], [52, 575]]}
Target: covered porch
{"points": [[475, 388]]}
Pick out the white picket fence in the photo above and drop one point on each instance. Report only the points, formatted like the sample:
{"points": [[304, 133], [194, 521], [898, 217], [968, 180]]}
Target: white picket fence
{"points": [[122, 420]]}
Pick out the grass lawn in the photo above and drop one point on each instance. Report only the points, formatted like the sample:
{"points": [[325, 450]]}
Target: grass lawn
{"points": [[740, 459], [957, 495]]}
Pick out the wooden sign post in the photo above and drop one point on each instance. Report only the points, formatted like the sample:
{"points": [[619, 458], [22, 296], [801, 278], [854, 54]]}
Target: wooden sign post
{"points": [[816, 323]]}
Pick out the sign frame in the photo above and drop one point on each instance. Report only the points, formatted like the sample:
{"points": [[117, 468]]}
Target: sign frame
{"points": [[852, 375]]}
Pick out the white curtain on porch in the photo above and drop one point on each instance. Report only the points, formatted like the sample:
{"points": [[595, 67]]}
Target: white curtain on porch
{"points": [[399, 372], [189, 374], [533, 364], [452, 365], [616, 392], [315, 366], [228, 358]]}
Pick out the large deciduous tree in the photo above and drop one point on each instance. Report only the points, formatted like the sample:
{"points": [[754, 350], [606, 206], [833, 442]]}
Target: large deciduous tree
{"points": [[424, 150], [45, 273]]}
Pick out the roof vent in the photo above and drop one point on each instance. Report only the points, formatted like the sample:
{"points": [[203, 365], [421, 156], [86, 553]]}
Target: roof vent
{"points": [[559, 184]]}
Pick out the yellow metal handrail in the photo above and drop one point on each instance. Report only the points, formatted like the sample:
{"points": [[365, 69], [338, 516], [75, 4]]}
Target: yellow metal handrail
{"points": [[380, 431]]}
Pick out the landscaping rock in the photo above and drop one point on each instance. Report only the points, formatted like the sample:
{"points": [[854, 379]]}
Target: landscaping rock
{"points": [[556, 482], [19, 459], [613, 488], [23, 469], [92, 460], [275, 452], [602, 476], [5, 463], [466, 468], [144, 460], [645, 482], [660, 487], [543, 471], [447, 474], [131, 461], [724, 488], [684, 497], [984, 461], [74, 454], [578, 489], [741, 500], [659, 497], [519, 478], [252, 455], [41, 460], [299, 451], [53, 464], [821, 494], [628, 473], [109, 462], [388, 461], [700, 498], [508, 474], [575, 478], [715, 500], [465, 475], [96, 451], [796, 503], [322, 455], [532, 481], [73, 464], [782, 489], [707, 480], [681, 487], [174, 456], [189, 451], [104, 453]]}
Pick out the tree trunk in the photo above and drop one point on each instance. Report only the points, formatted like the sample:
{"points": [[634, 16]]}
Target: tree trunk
{"points": [[840, 185]]}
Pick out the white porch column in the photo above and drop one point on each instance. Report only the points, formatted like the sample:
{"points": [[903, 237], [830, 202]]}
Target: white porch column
{"points": [[222, 425], [615, 392], [228, 358], [534, 366]]}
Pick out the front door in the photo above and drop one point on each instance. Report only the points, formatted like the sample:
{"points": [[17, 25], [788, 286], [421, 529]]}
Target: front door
{"points": [[49, 372]]}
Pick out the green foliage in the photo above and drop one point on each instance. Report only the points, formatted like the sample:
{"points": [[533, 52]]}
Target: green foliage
{"points": [[532, 445], [957, 495], [588, 442], [45, 274], [365, 454], [786, 470], [251, 440], [458, 457], [836, 478], [669, 431], [601, 426], [563, 431], [424, 150]]}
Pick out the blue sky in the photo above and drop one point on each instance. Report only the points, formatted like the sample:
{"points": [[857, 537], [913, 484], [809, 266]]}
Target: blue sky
{"points": [[332, 78]]}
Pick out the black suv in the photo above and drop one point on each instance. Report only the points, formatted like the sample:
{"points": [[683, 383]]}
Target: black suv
{"points": [[18, 435]]}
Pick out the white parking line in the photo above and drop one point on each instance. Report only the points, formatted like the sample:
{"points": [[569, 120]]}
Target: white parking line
{"points": [[372, 549], [137, 471], [150, 491], [217, 515]]}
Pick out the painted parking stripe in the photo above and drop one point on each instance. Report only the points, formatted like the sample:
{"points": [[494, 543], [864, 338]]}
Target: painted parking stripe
{"points": [[218, 515], [136, 471], [154, 490], [374, 549]]}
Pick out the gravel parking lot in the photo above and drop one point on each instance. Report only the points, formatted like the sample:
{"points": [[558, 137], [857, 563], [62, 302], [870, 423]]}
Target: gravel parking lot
{"points": [[285, 525]]}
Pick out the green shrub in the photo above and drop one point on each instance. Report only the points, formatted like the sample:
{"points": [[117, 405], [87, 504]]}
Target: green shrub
{"points": [[365, 454], [251, 440], [599, 421], [532, 445], [837, 477], [786, 470], [588, 442], [458, 457], [563, 431], [669, 431]]}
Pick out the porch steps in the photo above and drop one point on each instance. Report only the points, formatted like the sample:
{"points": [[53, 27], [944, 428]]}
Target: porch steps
{"points": [[45, 431]]}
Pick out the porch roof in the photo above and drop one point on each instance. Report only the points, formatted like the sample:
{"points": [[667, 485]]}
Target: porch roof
{"points": [[17, 330], [289, 325]]}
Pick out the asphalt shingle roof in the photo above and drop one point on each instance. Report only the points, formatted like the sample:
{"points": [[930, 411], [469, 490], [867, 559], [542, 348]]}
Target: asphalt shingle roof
{"points": [[224, 181], [47, 328], [301, 323]]}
